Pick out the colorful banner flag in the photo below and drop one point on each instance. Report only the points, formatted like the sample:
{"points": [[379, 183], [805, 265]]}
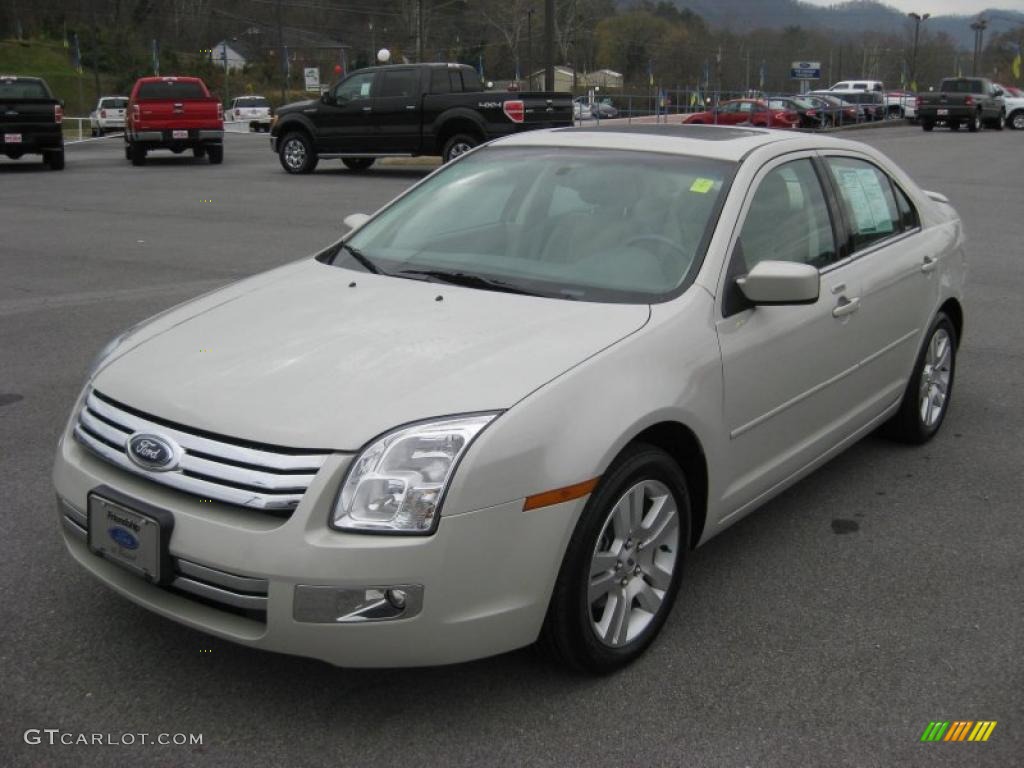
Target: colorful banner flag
{"points": [[1015, 67]]}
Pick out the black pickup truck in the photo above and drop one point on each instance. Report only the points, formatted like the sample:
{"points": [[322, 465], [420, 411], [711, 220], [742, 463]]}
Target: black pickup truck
{"points": [[31, 120], [407, 110], [970, 101]]}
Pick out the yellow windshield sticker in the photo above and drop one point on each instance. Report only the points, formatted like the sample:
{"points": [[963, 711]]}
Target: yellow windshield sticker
{"points": [[703, 186]]}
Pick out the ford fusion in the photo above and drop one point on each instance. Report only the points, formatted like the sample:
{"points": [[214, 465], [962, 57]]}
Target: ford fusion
{"points": [[506, 407]]}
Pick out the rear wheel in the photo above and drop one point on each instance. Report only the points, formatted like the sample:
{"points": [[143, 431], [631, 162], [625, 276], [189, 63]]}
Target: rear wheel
{"points": [[215, 153], [199, 152], [55, 160], [127, 152], [358, 163], [927, 125], [954, 125], [458, 145], [926, 397], [297, 154], [137, 154], [623, 566], [974, 124], [1000, 121]]}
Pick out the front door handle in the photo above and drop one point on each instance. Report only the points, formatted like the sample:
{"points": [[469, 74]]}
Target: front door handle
{"points": [[367, 109], [929, 263], [410, 106], [846, 306]]}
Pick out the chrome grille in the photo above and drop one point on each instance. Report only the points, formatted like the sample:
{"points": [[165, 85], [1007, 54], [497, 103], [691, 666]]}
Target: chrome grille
{"points": [[211, 467]]}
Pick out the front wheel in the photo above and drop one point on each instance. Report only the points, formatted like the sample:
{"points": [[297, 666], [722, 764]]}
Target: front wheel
{"points": [[358, 163], [623, 566], [926, 398], [458, 145], [297, 154], [1016, 120]]}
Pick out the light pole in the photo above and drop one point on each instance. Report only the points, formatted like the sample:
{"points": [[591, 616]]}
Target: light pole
{"points": [[979, 39], [917, 18], [529, 49]]}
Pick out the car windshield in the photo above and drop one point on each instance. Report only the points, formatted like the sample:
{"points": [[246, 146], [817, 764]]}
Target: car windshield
{"points": [[612, 226], [252, 102], [23, 89]]}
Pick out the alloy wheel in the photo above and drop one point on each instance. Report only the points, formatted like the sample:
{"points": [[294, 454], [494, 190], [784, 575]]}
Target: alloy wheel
{"points": [[935, 378], [633, 563], [294, 153]]}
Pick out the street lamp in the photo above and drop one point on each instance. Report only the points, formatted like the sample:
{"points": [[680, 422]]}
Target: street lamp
{"points": [[917, 19], [979, 38]]}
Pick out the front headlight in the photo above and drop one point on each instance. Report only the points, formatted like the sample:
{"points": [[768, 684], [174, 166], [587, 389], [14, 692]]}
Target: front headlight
{"points": [[397, 483]]}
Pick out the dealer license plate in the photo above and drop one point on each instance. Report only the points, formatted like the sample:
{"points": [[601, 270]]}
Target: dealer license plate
{"points": [[179, 134], [125, 537], [942, 111], [12, 138]]}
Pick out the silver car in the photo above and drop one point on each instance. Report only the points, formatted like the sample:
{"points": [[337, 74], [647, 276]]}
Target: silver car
{"points": [[506, 407]]}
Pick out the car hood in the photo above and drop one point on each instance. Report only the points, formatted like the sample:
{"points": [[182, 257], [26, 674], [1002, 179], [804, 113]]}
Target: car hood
{"points": [[298, 106], [316, 356]]}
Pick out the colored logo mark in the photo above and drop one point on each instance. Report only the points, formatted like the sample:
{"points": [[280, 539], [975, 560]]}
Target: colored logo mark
{"points": [[958, 730]]}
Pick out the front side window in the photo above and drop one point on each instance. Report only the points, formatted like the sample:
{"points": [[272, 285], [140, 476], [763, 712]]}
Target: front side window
{"points": [[355, 87], [788, 219], [610, 226], [868, 200]]}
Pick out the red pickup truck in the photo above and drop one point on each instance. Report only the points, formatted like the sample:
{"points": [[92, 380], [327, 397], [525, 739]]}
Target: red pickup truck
{"points": [[175, 113]]}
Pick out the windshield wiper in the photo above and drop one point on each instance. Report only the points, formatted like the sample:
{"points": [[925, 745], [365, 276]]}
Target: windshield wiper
{"points": [[361, 258], [468, 280]]}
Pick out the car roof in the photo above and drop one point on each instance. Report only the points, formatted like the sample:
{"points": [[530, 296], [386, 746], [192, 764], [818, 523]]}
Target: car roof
{"points": [[161, 79], [717, 142]]}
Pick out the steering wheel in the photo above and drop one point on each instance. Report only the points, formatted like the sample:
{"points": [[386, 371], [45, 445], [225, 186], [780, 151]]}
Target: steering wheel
{"points": [[661, 240]]}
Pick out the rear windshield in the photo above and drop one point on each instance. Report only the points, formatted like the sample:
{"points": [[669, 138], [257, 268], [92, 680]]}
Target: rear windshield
{"points": [[114, 103], [170, 89], [23, 89], [255, 101], [962, 86]]}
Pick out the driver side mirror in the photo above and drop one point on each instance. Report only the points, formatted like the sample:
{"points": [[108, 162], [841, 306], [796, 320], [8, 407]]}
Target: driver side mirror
{"points": [[355, 220], [328, 98], [781, 282], [997, 92]]}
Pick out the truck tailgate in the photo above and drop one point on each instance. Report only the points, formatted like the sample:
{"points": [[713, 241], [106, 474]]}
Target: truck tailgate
{"points": [[547, 107], [28, 113], [188, 113]]}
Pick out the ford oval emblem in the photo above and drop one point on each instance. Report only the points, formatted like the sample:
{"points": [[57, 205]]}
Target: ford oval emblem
{"points": [[153, 452], [123, 538]]}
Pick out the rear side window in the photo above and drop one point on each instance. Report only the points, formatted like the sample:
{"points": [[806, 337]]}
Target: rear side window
{"points": [[402, 83], [455, 80], [439, 81], [23, 89], [170, 90], [471, 80], [868, 201]]}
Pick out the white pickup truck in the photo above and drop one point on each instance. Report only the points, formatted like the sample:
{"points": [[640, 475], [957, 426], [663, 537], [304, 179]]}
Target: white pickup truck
{"points": [[108, 115], [1014, 100], [254, 110]]}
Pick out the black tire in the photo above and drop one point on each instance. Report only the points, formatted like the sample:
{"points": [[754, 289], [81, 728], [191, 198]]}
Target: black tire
{"points": [[358, 163], [999, 121], [199, 152], [908, 425], [297, 154], [569, 635], [1016, 120], [55, 160], [137, 154], [927, 126], [458, 145], [975, 123], [216, 153]]}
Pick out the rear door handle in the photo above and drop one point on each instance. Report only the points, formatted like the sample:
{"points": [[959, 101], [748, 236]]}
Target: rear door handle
{"points": [[846, 306], [929, 263]]}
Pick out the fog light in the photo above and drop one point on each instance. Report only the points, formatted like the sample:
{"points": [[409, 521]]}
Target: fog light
{"points": [[317, 604]]}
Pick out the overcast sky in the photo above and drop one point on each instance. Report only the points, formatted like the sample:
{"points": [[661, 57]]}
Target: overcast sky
{"points": [[943, 7]]}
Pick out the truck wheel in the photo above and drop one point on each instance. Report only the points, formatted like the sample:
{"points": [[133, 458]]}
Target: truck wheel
{"points": [[137, 154], [55, 160], [974, 125], [457, 145], [1000, 121], [297, 154], [926, 125], [215, 153], [127, 151], [358, 163], [1016, 120]]}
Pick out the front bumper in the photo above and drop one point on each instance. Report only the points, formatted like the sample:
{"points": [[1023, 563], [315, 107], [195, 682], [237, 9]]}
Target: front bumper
{"points": [[486, 576]]}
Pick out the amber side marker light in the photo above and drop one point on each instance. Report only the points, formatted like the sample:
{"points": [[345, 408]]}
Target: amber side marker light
{"points": [[557, 496]]}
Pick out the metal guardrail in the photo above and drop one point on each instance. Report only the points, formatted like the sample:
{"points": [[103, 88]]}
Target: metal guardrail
{"points": [[81, 129]]}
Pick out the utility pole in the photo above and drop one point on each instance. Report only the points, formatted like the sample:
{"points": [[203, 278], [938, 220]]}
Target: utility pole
{"points": [[549, 45], [979, 41], [282, 52], [419, 31], [224, 59], [529, 49], [917, 18]]}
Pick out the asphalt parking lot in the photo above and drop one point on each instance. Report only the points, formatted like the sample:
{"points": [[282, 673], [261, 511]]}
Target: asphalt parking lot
{"points": [[829, 628]]}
